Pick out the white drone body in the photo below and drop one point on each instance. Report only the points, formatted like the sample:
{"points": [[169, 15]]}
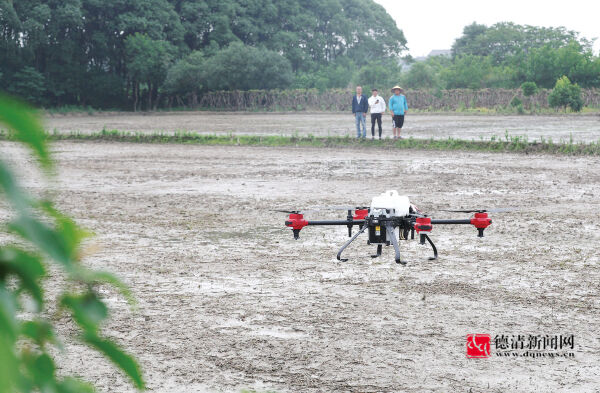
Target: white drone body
{"points": [[390, 204]]}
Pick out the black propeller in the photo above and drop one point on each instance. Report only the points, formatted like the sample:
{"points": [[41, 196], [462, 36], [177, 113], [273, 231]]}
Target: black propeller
{"points": [[319, 209], [300, 211], [344, 207], [495, 210]]}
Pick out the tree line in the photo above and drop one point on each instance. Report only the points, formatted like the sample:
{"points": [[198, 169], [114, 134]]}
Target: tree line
{"points": [[507, 55], [135, 54], [115, 53]]}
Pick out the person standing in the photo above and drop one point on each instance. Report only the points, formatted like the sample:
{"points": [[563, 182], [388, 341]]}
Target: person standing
{"points": [[360, 107], [398, 108], [377, 105]]}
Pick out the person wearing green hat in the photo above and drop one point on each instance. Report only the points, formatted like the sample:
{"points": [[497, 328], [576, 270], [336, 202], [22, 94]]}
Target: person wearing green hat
{"points": [[398, 108]]}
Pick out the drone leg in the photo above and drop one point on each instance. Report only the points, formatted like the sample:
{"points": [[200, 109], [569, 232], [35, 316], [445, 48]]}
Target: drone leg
{"points": [[379, 247], [435, 254], [339, 254], [392, 237]]}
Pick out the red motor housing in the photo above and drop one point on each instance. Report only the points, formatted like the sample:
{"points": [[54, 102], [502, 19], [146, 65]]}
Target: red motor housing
{"points": [[296, 221], [481, 221], [423, 227], [423, 224], [360, 214]]}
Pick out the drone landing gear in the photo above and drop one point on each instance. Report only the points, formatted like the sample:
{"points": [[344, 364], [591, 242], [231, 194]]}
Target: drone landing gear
{"points": [[379, 247], [435, 254], [339, 254], [392, 237]]}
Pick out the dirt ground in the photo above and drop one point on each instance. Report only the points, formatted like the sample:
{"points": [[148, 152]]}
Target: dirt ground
{"points": [[228, 300], [581, 127]]}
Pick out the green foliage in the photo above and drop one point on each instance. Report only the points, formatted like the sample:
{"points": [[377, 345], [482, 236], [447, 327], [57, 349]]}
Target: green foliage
{"points": [[116, 53], [29, 84], [529, 88], [515, 102], [338, 74], [475, 72], [503, 41], [545, 65], [379, 75], [186, 76], [566, 94], [421, 75], [242, 67], [147, 62], [494, 144], [45, 235]]}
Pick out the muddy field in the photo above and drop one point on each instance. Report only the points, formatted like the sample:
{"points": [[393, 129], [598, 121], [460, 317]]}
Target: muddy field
{"points": [[228, 300], [580, 127]]}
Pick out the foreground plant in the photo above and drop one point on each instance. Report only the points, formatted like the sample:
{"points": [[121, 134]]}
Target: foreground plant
{"points": [[45, 235]]}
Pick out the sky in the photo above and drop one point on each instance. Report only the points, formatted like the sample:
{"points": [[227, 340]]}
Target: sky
{"points": [[429, 25]]}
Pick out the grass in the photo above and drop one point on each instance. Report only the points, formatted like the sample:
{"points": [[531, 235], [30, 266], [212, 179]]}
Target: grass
{"points": [[506, 143], [462, 110]]}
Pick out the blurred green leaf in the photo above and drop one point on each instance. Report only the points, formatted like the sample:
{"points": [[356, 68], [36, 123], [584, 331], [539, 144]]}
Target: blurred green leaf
{"points": [[8, 308], [43, 370], [21, 119], [27, 267], [70, 231], [8, 334], [45, 238], [124, 361], [94, 276], [39, 331], [8, 370], [72, 385], [87, 310], [27, 367], [18, 199]]}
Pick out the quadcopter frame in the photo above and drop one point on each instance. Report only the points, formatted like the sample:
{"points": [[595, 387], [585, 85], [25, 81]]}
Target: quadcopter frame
{"points": [[382, 228]]}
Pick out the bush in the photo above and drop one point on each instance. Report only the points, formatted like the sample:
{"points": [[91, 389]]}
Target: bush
{"points": [[28, 84], [379, 76], [515, 102], [421, 75], [566, 94], [186, 76], [242, 67], [529, 89]]}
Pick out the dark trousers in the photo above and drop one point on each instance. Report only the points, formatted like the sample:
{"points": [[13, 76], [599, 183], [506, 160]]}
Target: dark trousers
{"points": [[375, 117]]}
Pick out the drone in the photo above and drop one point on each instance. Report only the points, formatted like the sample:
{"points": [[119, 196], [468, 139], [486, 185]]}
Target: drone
{"points": [[390, 218]]}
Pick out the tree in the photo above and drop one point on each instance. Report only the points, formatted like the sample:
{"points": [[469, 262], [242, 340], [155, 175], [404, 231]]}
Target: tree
{"points": [[421, 75], [242, 67], [529, 89], [28, 343], [148, 61], [29, 84], [187, 77], [506, 41], [379, 75], [566, 94]]}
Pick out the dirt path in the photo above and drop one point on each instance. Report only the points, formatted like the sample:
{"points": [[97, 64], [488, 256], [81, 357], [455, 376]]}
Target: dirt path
{"points": [[581, 128], [228, 300]]}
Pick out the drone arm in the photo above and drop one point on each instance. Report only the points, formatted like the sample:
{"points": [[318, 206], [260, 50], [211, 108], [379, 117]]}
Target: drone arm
{"points": [[336, 222], [339, 254], [479, 221], [450, 222]]}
